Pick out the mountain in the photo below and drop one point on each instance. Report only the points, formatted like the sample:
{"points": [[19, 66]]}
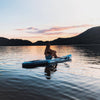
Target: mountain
{"points": [[90, 36], [13, 42]]}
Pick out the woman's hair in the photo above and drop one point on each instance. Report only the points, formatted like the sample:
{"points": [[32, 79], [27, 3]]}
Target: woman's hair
{"points": [[47, 48], [48, 45]]}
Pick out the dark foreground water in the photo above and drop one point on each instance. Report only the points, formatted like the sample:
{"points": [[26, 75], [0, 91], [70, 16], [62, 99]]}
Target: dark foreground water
{"points": [[76, 80]]}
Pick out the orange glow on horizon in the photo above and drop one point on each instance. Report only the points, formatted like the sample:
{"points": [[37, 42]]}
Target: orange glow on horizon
{"points": [[48, 37]]}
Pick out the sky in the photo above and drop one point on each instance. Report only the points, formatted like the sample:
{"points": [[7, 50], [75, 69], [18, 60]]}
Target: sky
{"points": [[47, 19]]}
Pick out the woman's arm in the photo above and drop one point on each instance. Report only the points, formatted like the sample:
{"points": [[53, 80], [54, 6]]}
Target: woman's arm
{"points": [[53, 51]]}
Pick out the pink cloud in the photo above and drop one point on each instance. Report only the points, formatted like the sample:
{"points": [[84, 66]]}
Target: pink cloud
{"points": [[20, 29], [55, 33], [52, 30], [62, 28], [34, 37], [61, 33], [29, 28]]}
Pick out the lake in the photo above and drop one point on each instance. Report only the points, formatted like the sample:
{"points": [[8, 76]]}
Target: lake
{"points": [[75, 80]]}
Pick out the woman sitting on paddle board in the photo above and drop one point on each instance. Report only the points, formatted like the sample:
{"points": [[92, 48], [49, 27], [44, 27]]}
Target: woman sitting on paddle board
{"points": [[49, 53]]}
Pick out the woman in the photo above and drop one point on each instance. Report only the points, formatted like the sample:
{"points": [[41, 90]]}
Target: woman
{"points": [[49, 53]]}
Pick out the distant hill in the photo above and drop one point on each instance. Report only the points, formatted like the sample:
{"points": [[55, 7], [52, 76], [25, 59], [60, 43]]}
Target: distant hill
{"points": [[13, 42], [91, 36]]}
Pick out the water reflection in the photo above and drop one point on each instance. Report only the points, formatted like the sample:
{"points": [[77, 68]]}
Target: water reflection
{"points": [[79, 82], [49, 70], [52, 68], [91, 51]]}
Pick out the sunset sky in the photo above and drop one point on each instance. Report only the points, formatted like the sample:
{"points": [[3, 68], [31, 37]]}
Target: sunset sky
{"points": [[47, 19]]}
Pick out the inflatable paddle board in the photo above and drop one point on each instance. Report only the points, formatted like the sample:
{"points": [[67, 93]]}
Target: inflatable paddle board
{"points": [[37, 63]]}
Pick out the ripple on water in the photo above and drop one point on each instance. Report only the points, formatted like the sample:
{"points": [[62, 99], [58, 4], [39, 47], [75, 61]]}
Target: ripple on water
{"points": [[79, 81]]}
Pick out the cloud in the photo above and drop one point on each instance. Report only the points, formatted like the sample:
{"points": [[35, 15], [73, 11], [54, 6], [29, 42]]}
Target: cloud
{"points": [[51, 33], [61, 34], [52, 30], [55, 33], [61, 28], [20, 29], [29, 28], [31, 32], [32, 37]]}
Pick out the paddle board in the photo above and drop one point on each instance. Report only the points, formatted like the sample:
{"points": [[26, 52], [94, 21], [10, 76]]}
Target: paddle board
{"points": [[37, 63]]}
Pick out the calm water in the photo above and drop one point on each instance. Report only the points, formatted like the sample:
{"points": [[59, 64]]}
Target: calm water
{"points": [[76, 80]]}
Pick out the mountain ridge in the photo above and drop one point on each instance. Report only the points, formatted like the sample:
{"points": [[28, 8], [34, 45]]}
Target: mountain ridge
{"points": [[13, 42], [90, 36]]}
